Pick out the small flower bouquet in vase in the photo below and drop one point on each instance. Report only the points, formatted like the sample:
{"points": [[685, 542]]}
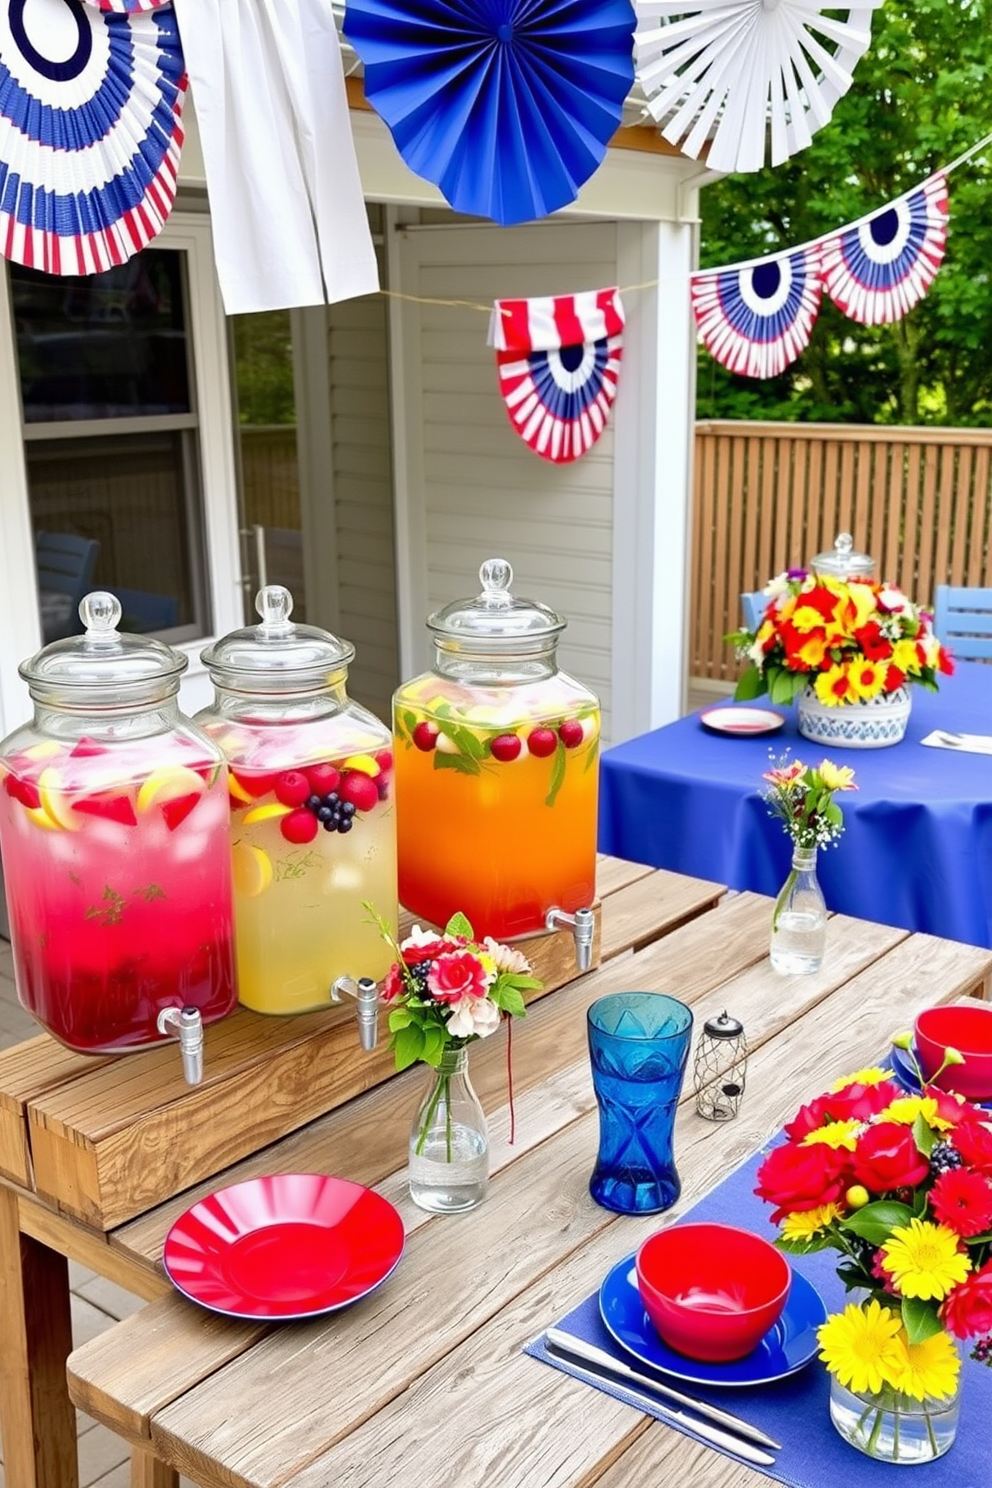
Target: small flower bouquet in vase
{"points": [[848, 650], [444, 991], [802, 798], [901, 1186]]}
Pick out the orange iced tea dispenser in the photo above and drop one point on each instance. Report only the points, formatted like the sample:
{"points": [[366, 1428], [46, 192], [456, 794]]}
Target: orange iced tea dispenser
{"points": [[113, 828], [497, 756], [312, 821]]}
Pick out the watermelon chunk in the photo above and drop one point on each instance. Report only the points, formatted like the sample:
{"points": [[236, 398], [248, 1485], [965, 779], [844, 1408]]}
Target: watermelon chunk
{"points": [[110, 806], [178, 809]]}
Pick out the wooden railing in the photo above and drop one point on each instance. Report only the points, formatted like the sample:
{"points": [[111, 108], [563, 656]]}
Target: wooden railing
{"points": [[769, 496]]}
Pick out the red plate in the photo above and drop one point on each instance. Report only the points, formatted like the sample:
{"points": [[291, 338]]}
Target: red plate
{"points": [[291, 1245]]}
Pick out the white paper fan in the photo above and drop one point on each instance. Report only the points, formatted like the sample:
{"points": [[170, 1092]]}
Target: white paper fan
{"points": [[738, 73]]}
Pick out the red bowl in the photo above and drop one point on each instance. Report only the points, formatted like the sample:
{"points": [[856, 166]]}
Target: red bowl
{"points": [[967, 1027], [711, 1290]]}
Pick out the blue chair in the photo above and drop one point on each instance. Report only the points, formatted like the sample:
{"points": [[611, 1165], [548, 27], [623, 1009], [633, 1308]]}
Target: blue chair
{"points": [[143, 611], [962, 621], [65, 565], [753, 605]]}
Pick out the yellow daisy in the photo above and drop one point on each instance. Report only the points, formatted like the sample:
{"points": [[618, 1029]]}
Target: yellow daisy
{"points": [[833, 687], [835, 1134], [860, 1347], [927, 1370], [840, 778], [905, 1110], [867, 678], [805, 1223], [923, 1259], [874, 1075], [905, 657]]}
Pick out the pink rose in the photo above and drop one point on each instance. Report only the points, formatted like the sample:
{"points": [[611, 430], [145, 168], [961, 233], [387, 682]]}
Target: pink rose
{"points": [[393, 984], [455, 975]]}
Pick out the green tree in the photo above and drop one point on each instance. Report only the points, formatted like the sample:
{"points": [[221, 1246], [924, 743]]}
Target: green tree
{"points": [[920, 98]]}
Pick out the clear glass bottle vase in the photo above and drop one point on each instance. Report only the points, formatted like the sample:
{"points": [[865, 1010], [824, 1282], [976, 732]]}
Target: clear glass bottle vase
{"points": [[893, 1427], [799, 920], [449, 1143]]}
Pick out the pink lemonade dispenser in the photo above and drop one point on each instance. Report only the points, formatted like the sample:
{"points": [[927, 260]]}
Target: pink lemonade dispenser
{"points": [[114, 835]]}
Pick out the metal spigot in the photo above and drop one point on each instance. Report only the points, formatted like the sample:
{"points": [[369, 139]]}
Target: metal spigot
{"points": [[583, 923], [366, 995], [185, 1024]]}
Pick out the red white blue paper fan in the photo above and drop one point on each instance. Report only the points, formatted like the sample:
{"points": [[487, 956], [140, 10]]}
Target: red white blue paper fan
{"points": [[506, 105], [878, 269], [558, 361], [756, 318], [747, 75], [127, 7], [90, 132]]}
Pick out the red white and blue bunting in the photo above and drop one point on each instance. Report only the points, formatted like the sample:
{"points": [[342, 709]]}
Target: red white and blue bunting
{"points": [[879, 269], [90, 132], [757, 317], [558, 360]]}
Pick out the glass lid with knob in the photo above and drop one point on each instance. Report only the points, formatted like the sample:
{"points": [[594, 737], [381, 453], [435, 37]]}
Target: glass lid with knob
{"points": [[844, 561], [277, 655], [496, 620], [103, 667]]}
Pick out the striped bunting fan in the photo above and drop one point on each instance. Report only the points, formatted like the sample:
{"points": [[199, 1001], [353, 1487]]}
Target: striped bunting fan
{"points": [[90, 132], [756, 318], [878, 269], [558, 361], [127, 7]]}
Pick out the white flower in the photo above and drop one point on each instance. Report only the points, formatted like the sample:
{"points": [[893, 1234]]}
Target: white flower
{"points": [[505, 958], [418, 937], [892, 599], [470, 1016], [778, 586]]}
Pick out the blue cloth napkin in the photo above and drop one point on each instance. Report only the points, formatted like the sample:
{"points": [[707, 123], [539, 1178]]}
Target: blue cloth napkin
{"points": [[795, 1410]]}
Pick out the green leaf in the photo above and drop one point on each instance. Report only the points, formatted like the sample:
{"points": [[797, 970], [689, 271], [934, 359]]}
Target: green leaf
{"points": [[557, 774], [924, 1136], [510, 1000], [875, 1222], [459, 762], [409, 721], [802, 1247], [782, 685], [920, 1319], [751, 685], [408, 1046], [459, 925], [399, 1017], [434, 1041]]}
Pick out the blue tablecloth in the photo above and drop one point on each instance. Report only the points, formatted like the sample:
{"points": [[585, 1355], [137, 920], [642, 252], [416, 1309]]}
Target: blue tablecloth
{"points": [[917, 849]]}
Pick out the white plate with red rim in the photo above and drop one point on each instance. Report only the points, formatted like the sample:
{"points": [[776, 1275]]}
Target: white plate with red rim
{"points": [[741, 722]]}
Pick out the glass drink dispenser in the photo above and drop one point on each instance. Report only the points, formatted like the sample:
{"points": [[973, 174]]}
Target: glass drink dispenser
{"points": [[113, 827], [497, 755], [312, 821]]}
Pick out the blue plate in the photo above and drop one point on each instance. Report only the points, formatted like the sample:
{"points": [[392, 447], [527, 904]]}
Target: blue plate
{"points": [[907, 1077], [784, 1349]]}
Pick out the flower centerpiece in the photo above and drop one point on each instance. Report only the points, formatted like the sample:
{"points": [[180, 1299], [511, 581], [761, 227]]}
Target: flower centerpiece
{"points": [[901, 1186], [837, 643], [444, 991], [802, 798]]}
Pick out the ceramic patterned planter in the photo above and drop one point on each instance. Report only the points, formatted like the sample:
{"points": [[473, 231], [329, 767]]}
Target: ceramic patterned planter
{"points": [[873, 724]]}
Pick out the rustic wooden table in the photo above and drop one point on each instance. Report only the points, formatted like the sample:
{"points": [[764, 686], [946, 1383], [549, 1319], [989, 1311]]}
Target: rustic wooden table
{"points": [[93, 1149], [424, 1381]]}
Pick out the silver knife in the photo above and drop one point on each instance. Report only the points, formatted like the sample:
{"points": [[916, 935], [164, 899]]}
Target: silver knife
{"points": [[735, 1444], [577, 1348]]}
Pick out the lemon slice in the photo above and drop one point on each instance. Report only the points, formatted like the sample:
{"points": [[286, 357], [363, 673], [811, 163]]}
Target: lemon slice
{"points": [[46, 749], [266, 813], [41, 818], [237, 789], [54, 801], [363, 762], [168, 784], [252, 869]]}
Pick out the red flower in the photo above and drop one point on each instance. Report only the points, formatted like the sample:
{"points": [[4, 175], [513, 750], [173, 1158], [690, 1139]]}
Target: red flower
{"points": [[455, 975], [887, 1157], [967, 1310], [962, 1200], [973, 1140], [873, 643], [945, 663], [950, 1107], [393, 984], [794, 1177], [413, 954], [856, 1102]]}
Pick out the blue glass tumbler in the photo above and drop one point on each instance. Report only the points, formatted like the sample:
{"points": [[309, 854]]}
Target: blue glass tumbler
{"points": [[638, 1044]]}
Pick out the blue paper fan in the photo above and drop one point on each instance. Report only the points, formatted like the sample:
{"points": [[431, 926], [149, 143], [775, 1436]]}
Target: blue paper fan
{"points": [[506, 105], [756, 318], [90, 132], [880, 268]]}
